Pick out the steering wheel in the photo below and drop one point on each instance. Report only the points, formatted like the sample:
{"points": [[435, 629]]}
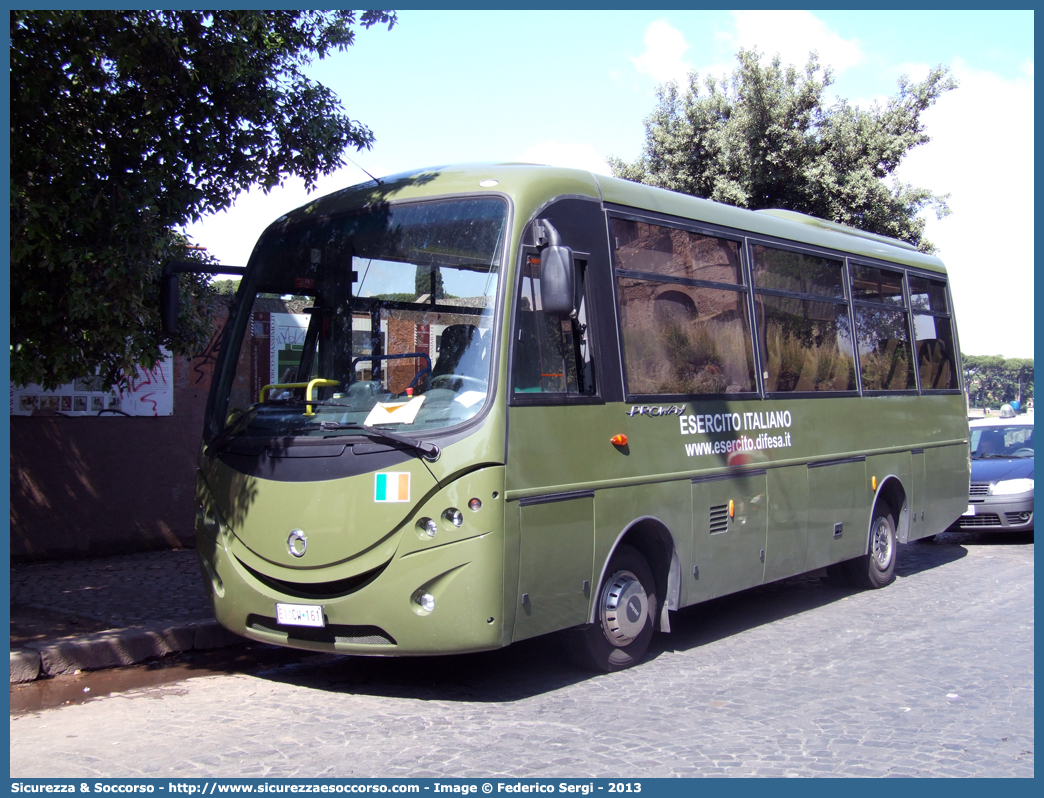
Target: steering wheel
{"points": [[1022, 453], [424, 374], [471, 382]]}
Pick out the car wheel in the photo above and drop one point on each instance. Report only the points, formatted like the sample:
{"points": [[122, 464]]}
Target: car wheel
{"points": [[625, 617]]}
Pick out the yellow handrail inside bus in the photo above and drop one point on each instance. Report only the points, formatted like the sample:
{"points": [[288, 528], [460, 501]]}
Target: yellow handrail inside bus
{"points": [[318, 382]]}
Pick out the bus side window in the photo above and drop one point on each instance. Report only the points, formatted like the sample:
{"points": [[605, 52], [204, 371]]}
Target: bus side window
{"points": [[552, 354], [684, 317], [934, 334]]}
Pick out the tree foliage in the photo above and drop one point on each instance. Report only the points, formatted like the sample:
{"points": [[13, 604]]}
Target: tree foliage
{"points": [[765, 137], [428, 281], [993, 380], [127, 125]]}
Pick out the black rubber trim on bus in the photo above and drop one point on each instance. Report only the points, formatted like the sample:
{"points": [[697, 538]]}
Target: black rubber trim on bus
{"points": [[861, 458], [760, 472], [332, 633], [317, 590], [548, 498], [582, 224]]}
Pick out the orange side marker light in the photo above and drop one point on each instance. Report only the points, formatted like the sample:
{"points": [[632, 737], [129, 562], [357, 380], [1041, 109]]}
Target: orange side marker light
{"points": [[618, 440], [732, 509], [873, 483]]}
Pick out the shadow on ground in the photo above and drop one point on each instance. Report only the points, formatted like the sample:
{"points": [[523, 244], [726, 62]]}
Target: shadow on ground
{"points": [[531, 667], [538, 666]]}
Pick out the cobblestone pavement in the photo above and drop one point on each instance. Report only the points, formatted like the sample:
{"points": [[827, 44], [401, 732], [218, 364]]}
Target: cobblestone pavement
{"points": [[125, 590], [932, 676]]}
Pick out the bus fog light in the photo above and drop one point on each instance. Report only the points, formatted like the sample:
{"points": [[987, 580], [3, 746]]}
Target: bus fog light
{"points": [[426, 602], [453, 515], [475, 505], [427, 527]]}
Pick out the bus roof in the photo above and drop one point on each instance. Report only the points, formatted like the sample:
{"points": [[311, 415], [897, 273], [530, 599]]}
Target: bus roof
{"points": [[537, 184]]}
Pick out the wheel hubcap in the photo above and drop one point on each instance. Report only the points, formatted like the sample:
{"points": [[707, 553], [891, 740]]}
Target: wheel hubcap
{"points": [[624, 608], [882, 548]]}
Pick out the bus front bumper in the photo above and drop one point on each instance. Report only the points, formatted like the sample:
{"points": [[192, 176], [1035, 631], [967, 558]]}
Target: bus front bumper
{"points": [[441, 600]]}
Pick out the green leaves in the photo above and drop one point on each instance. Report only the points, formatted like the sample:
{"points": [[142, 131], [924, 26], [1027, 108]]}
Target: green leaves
{"points": [[765, 138], [993, 380], [126, 125]]}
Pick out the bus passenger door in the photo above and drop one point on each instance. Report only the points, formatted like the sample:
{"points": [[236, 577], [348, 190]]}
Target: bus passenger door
{"points": [[555, 564], [729, 533]]}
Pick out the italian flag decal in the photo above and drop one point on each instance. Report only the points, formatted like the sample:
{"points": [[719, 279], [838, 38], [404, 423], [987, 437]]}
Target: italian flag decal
{"points": [[391, 487]]}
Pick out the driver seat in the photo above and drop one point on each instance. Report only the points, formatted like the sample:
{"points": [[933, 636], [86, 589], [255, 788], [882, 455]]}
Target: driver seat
{"points": [[462, 352]]}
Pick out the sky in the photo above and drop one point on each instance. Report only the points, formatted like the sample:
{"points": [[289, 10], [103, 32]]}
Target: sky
{"points": [[573, 88]]}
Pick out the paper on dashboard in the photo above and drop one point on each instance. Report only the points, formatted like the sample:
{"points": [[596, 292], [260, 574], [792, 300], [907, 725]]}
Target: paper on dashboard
{"points": [[394, 412]]}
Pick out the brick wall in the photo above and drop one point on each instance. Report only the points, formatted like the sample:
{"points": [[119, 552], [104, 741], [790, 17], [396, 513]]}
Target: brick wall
{"points": [[95, 486]]}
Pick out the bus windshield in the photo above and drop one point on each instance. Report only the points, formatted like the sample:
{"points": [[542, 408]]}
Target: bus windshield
{"points": [[379, 318]]}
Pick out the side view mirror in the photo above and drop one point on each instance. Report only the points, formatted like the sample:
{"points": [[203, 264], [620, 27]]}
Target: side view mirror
{"points": [[170, 301], [170, 294], [557, 274]]}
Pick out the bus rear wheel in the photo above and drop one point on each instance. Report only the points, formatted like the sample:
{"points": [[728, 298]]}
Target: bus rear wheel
{"points": [[876, 568], [625, 617]]}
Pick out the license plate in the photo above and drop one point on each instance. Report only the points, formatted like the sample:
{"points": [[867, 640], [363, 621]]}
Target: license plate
{"points": [[970, 510], [300, 615]]}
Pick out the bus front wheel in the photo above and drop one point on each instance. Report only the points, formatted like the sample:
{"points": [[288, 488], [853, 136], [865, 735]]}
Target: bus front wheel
{"points": [[876, 568], [626, 614]]}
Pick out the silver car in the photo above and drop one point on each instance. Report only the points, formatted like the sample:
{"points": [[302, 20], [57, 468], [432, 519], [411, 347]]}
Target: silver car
{"points": [[1001, 494]]}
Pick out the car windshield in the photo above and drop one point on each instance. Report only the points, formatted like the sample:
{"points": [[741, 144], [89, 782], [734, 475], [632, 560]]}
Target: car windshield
{"points": [[382, 318], [1010, 440]]}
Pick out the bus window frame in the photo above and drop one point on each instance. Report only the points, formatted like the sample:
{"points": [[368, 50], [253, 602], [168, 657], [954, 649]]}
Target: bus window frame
{"points": [[746, 240], [905, 308], [527, 245], [944, 278], [699, 228], [803, 249]]}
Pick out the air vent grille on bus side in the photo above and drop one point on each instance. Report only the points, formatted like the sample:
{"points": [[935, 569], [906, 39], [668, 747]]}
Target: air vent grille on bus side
{"points": [[719, 518]]}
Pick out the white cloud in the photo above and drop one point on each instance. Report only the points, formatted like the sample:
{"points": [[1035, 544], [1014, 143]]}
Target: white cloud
{"points": [[981, 153], [662, 59], [793, 34], [576, 156]]}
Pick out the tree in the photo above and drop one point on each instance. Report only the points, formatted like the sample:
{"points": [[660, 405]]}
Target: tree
{"points": [[127, 125], [993, 380], [428, 281], [765, 138]]}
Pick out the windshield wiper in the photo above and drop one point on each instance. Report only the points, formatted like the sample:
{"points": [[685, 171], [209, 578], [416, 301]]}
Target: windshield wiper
{"points": [[429, 451], [215, 446]]}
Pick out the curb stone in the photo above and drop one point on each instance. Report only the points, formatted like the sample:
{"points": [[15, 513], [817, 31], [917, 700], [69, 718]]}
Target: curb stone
{"points": [[115, 648], [25, 666]]}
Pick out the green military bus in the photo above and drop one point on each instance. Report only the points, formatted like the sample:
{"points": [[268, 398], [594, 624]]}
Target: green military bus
{"points": [[463, 406]]}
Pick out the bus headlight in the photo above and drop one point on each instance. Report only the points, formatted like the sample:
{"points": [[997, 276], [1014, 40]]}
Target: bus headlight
{"points": [[454, 516], [424, 600], [1010, 487], [428, 527]]}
